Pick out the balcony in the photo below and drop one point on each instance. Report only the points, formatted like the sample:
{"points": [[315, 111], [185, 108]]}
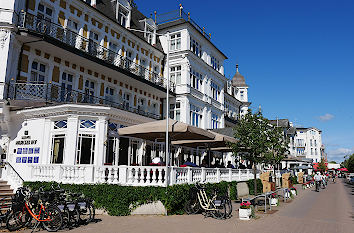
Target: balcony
{"points": [[51, 93], [56, 33]]}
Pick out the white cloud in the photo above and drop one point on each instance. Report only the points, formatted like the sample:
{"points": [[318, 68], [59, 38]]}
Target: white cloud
{"points": [[339, 153], [326, 117]]}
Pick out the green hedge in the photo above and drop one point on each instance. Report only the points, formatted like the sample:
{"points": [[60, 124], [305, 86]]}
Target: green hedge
{"points": [[117, 200]]}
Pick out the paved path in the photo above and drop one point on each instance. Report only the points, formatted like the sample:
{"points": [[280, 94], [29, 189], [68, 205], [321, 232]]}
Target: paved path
{"points": [[330, 211]]}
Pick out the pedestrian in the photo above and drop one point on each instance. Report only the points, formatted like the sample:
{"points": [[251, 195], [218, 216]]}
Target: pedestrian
{"points": [[229, 165]]}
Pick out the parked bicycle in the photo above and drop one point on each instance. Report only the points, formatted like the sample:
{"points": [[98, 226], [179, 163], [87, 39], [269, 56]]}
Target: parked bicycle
{"points": [[219, 207]]}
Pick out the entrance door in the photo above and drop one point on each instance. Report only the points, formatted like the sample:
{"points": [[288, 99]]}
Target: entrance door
{"points": [[147, 159], [123, 151], [111, 151]]}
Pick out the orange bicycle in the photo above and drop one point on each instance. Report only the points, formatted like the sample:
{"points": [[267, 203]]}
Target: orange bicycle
{"points": [[49, 216]]}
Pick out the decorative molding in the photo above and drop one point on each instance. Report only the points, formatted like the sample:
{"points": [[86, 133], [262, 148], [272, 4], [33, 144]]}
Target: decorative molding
{"points": [[4, 35]]}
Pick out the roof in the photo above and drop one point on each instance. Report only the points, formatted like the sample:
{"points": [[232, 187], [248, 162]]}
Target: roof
{"points": [[228, 131], [238, 80], [182, 21], [306, 129], [284, 123], [106, 7]]}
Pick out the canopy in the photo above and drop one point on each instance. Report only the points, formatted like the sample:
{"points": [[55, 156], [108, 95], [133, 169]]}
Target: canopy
{"points": [[157, 130], [343, 169], [220, 141], [302, 167]]}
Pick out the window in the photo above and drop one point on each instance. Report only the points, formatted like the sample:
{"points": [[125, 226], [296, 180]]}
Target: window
{"points": [[241, 95], [73, 25], [88, 124], [112, 128], [60, 124], [85, 149], [315, 151], [175, 74], [311, 151], [196, 79], [214, 121], [89, 91], [310, 142], [45, 12], [66, 87], [141, 105], [215, 63], [175, 41], [126, 100], [195, 47], [315, 142], [195, 116], [300, 151], [215, 91], [37, 72], [175, 111], [57, 153], [109, 95], [122, 16], [149, 34]]}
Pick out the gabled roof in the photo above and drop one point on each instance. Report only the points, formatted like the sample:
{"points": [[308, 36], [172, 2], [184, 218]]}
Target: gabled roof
{"points": [[284, 123]]}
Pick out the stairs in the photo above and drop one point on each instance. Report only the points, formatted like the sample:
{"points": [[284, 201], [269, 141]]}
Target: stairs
{"points": [[6, 194]]}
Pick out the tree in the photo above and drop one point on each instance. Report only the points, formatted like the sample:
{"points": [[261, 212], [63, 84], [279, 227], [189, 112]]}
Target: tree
{"points": [[252, 133], [322, 167], [349, 163], [278, 146]]}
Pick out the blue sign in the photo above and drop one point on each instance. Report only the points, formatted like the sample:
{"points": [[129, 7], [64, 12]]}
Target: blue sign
{"points": [[30, 159], [19, 151], [24, 150], [35, 159], [18, 160], [36, 150], [30, 150], [24, 159]]}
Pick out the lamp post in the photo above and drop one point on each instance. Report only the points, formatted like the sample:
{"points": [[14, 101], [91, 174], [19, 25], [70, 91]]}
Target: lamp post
{"points": [[167, 155]]}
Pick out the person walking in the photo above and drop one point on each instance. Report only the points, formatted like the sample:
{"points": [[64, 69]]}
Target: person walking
{"points": [[317, 179]]}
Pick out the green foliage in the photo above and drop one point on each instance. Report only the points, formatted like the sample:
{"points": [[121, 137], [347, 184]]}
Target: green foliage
{"points": [[293, 179], [251, 186], [349, 163], [120, 200]]}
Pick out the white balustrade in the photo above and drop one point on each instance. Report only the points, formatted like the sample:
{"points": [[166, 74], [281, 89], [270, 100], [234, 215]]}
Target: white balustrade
{"points": [[136, 175]]}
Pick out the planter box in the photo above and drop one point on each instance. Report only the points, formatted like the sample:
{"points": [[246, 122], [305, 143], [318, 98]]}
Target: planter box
{"points": [[274, 201], [244, 214], [293, 192]]}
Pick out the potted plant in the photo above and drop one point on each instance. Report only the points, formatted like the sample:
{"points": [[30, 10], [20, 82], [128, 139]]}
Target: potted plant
{"points": [[274, 199], [245, 211], [293, 191]]}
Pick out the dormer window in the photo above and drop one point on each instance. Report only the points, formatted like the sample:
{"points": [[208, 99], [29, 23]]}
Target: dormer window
{"points": [[122, 16]]}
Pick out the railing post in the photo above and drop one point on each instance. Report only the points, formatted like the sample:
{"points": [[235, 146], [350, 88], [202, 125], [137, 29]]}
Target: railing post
{"points": [[173, 176], [218, 178], [203, 175], [230, 174], [123, 174], [189, 175], [248, 174]]}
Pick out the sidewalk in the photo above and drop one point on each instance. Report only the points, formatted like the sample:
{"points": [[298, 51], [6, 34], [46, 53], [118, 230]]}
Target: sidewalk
{"points": [[330, 211]]}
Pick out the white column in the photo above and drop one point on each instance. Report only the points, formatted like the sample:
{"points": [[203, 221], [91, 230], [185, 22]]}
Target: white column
{"points": [[47, 142], [101, 141], [71, 141]]}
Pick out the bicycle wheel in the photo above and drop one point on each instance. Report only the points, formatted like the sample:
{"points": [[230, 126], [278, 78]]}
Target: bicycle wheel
{"points": [[54, 216], [85, 214], [92, 210], [228, 207], [220, 211], [192, 206], [16, 220]]}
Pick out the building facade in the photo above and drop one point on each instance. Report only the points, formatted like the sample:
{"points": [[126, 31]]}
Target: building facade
{"points": [[73, 72]]}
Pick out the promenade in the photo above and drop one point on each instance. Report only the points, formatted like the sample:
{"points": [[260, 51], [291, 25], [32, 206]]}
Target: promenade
{"points": [[330, 210]]}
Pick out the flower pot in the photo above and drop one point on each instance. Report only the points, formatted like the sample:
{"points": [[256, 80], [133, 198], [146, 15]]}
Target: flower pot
{"points": [[274, 201], [244, 214], [293, 192]]}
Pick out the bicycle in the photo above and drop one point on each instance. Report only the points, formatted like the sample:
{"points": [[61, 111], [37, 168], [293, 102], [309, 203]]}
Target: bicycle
{"points": [[218, 207], [36, 205]]}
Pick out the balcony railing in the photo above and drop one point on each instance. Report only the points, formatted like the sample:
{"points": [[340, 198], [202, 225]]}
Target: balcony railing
{"points": [[56, 94], [88, 46], [180, 14]]}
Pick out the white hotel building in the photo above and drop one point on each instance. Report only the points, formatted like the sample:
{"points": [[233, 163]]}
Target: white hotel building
{"points": [[73, 72]]}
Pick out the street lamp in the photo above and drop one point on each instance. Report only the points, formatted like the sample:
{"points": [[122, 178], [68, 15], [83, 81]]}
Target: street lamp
{"points": [[167, 155]]}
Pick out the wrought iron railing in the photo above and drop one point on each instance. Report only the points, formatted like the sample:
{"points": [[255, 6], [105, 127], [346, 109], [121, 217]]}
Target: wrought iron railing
{"points": [[49, 92], [180, 14], [89, 46]]}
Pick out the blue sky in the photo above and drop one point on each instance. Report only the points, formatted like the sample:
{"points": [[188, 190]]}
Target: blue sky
{"points": [[297, 57]]}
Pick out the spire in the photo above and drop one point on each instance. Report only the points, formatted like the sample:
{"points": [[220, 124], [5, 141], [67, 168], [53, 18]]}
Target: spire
{"points": [[236, 68]]}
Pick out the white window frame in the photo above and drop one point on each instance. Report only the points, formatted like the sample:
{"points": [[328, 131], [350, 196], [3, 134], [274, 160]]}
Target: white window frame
{"points": [[175, 74], [175, 41], [80, 136]]}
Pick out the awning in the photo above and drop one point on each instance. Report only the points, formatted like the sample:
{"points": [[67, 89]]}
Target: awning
{"points": [[343, 169], [220, 141], [156, 130]]}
